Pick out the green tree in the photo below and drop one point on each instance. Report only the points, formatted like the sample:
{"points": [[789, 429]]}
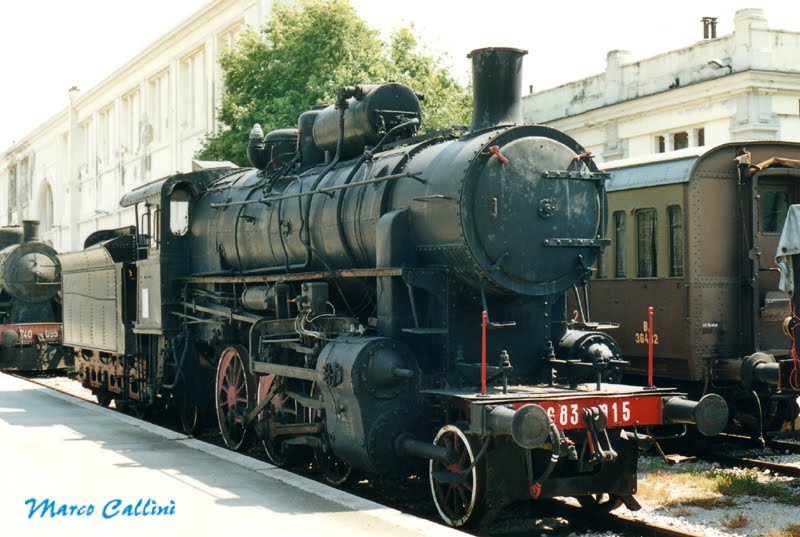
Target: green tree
{"points": [[446, 101], [303, 54]]}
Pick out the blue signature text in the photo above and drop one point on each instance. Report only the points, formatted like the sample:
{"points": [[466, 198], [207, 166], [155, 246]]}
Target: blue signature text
{"points": [[111, 509]]}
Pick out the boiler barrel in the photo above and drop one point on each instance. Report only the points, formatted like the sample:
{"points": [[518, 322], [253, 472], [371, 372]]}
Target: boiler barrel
{"points": [[508, 227]]}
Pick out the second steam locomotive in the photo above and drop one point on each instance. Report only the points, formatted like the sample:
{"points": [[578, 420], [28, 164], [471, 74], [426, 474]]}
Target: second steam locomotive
{"points": [[381, 299], [30, 312]]}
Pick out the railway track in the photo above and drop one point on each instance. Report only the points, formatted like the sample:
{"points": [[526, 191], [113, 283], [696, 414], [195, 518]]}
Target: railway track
{"points": [[777, 445], [748, 462], [602, 523], [405, 496], [647, 529]]}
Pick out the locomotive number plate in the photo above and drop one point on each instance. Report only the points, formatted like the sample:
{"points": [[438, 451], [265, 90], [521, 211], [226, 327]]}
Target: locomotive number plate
{"points": [[29, 334], [621, 411]]}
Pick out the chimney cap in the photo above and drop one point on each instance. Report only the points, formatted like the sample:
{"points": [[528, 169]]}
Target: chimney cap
{"points": [[487, 49]]}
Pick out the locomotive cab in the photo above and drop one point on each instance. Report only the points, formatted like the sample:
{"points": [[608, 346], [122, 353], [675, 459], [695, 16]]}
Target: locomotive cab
{"points": [[162, 213]]}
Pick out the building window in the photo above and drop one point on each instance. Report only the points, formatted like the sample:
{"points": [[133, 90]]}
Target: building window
{"points": [[774, 206], [681, 140], [228, 37], [675, 215], [193, 91], [701, 136], [129, 128], [661, 144], [24, 182], [45, 207], [104, 136], [86, 148], [12, 192], [646, 225], [158, 106], [619, 244], [63, 157]]}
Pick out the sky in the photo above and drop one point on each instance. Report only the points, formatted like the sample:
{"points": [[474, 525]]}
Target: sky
{"points": [[47, 46]]}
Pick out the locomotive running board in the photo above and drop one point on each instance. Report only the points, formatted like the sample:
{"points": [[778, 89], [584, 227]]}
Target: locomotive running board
{"points": [[296, 276]]}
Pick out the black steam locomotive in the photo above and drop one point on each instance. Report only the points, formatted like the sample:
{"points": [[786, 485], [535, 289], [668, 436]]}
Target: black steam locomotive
{"points": [[30, 314], [383, 299]]}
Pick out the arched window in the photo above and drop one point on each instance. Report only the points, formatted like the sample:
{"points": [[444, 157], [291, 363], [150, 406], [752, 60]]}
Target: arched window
{"points": [[179, 212], [45, 207]]}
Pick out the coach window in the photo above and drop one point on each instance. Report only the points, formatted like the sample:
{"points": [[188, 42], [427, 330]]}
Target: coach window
{"points": [[619, 244], [774, 206], [675, 215], [646, 243], [179, 212]]}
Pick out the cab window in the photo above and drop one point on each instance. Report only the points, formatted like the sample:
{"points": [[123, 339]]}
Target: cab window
{"points": [[179, 212]]}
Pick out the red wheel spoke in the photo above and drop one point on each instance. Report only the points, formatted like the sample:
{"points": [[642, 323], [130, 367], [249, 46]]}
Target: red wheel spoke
{"points": [[233, 396]]}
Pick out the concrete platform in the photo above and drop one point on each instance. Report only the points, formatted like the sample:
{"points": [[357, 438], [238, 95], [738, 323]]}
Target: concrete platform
{"points": [[69, 468]]}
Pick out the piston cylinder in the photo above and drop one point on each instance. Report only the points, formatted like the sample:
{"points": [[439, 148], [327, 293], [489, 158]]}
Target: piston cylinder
{"points": [[406, 446]]}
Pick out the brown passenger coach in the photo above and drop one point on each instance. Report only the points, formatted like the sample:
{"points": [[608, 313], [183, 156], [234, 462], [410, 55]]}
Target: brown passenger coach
{"points": [[695, 237]]}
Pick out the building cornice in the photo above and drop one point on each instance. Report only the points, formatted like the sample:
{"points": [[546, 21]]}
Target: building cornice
{"points": [[173, 37], [707, 90]]}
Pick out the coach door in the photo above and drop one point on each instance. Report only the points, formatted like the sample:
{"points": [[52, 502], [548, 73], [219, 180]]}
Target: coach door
{"points": [[777, 189]]}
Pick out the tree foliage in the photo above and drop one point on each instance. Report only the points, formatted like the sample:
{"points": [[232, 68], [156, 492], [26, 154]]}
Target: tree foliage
{"points": [[304, 53]]}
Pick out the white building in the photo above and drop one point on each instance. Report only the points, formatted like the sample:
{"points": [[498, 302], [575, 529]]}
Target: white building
{"points": [[741, 86], [144, 121]]}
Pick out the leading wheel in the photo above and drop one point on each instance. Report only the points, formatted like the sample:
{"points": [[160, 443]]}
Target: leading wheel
{"points": [[190, 413], [459, 489], [189, 419], [233, 395], [333, 470]]}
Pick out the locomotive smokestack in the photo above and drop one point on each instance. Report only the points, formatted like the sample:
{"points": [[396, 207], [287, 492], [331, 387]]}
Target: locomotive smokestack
{"points": [[30, 231], [496, 86]]}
